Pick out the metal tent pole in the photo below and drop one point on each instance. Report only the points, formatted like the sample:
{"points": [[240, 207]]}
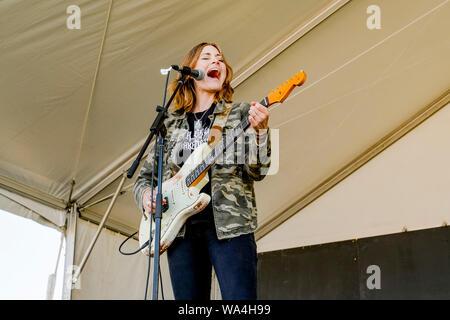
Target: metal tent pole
{"points": [[70, 252], [99, 229]]}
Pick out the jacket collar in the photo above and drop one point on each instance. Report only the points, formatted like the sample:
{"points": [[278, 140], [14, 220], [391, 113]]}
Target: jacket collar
{"points": [[219, 107], [180, 114]]}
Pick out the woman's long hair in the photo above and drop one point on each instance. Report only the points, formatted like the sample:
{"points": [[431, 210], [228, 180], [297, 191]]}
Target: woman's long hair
{"points": [[185, 97]]}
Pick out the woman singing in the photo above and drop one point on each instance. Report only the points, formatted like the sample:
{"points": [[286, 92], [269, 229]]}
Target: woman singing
{"points": [[222, 234]]}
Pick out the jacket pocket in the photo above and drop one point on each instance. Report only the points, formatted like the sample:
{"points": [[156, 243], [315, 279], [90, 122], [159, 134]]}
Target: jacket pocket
{"points": [[229, 193]]}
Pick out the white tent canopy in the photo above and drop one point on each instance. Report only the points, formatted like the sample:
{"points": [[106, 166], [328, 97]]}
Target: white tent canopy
{"points": [[76, 104], [34, 210]]}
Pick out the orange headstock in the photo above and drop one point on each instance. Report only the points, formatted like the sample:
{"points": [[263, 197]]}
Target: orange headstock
{"points": [[282, 92]]}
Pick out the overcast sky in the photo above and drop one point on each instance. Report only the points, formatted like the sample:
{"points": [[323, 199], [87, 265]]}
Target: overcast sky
{"points": [[28, 254]]}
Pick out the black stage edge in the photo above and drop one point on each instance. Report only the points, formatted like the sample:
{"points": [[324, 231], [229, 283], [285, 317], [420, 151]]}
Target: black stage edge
{"points": [[408, 265]]}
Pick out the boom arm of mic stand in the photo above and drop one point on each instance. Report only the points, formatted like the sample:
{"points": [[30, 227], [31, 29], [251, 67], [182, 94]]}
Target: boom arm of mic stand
{"points": [[157, 126]]}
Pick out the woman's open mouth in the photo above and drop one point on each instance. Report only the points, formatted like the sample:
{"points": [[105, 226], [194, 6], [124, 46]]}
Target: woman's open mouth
{"points": [[214, 74]]}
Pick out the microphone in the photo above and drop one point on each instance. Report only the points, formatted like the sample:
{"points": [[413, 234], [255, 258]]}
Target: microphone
{"points": [[197, 74]]}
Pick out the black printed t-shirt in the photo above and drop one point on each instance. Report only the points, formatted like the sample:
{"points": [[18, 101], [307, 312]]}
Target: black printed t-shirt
{"points": [[196, 138]]}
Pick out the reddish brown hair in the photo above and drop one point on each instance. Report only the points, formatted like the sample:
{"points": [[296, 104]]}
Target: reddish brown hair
{"points": [[185, 97]]}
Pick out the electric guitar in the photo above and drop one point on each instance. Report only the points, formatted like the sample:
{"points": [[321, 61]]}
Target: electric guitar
{"points": [[182, 191]]}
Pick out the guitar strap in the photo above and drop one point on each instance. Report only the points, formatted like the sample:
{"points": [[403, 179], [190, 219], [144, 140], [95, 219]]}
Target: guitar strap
{"points": [[215, 133]]}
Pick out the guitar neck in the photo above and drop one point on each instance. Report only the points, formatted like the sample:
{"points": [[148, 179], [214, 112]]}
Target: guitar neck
{"points": [[221, 147], [277, 95]]}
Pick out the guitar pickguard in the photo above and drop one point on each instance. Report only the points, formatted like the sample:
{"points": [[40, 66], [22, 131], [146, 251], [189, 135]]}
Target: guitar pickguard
{"points": [[183, 202]]}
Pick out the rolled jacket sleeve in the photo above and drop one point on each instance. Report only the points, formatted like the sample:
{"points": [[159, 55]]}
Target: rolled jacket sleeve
{"points": [[144, 180], [257, 156]]}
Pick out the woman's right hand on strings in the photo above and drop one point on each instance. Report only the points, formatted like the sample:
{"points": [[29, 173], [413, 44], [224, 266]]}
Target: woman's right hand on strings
{"points": [[147, 200]]}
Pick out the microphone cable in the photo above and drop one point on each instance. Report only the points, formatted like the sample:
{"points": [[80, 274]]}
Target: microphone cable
{"points": [[149, 265]]}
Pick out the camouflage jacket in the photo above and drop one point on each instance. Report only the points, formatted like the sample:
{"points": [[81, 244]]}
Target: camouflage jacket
{"points": [[232, 191]]}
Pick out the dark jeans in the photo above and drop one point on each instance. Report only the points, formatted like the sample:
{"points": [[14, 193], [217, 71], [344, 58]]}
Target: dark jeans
{"points": [[191, 259]]}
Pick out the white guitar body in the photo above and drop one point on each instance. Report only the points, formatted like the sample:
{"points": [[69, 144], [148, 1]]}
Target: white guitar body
{"points": [[183, 202]]}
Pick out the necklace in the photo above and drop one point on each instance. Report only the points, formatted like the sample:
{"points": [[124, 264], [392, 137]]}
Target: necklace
{"points": [[198, 122]]}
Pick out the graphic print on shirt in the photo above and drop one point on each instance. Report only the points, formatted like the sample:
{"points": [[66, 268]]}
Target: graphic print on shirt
{"points": [[190, 143], [191, 139]]}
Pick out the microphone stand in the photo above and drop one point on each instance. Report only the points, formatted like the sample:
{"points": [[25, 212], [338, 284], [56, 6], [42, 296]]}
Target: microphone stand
{"points": [[160, 131]]}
